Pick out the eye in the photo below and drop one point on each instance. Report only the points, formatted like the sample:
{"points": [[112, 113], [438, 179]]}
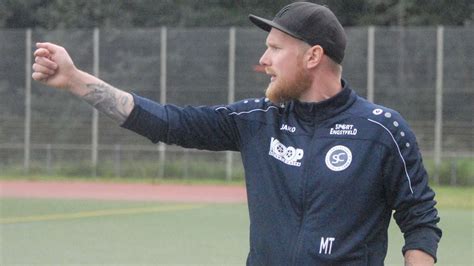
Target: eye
{"points": [[274, 48]]}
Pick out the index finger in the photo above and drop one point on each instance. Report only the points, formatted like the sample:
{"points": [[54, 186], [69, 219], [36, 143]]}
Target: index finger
{"points": [[43, 52]]}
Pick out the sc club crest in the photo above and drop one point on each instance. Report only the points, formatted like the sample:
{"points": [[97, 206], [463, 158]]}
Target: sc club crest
{"points": [[338, 158]]}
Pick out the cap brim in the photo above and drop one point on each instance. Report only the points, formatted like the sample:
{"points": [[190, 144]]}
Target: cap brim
{"points": [[262, 23], [267, 25]]}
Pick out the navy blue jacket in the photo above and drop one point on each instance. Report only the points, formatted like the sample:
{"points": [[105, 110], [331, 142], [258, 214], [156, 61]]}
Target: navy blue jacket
{"points": [[322, 178]]}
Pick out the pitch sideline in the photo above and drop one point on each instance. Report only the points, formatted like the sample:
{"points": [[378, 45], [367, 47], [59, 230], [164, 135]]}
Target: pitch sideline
{"points": [[97, 213]]}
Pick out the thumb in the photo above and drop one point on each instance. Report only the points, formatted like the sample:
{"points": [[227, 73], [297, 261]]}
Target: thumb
{"points": [[52, 48]]}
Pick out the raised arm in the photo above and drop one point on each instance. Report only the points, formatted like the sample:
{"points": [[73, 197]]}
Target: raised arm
{"points": [[54, 67]]}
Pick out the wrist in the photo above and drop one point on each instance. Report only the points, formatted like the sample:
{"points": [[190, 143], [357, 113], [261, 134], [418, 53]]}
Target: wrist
{"points": [[418, 257], [74, 80], [77, 83]]}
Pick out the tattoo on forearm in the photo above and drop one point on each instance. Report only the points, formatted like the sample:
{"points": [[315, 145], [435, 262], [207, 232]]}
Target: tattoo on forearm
{"points": [[109, 100]]}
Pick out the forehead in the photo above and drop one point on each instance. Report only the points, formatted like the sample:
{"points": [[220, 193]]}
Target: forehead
{"points": [[277, 36]]}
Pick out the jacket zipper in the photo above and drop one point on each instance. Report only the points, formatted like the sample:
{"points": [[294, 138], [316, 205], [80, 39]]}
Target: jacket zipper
{"points": [[299, 239]]}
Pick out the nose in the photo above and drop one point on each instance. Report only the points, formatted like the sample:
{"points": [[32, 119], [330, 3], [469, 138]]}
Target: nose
{"points": [[264, 60]]}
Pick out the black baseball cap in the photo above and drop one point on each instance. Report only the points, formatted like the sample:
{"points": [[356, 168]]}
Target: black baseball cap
{"points": [[311, 23]]}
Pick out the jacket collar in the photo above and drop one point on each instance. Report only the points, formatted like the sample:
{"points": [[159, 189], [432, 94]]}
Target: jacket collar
{"points": [[324, 109]]}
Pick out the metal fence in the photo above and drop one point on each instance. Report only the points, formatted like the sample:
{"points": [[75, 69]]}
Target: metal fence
{"points": [[426, 73]]}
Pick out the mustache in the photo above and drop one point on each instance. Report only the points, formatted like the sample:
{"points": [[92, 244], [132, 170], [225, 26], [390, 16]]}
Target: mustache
{"points": [[269, 71], [263, 69]]}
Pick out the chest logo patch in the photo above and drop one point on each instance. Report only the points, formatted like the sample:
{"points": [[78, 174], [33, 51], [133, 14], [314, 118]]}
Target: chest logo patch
{"points": [[343, 129], [338, 158], [289, 155]]}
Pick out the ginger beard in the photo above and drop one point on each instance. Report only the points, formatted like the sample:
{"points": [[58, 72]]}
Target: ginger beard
{"points": [[285, 89]]}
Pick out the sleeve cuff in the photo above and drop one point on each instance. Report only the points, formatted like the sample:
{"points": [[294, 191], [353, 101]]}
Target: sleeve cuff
{"points": [[146, 120], [424, 239], [134, 114]]}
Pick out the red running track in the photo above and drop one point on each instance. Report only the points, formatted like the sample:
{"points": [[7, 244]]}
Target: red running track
{"points": [[132, 192]]}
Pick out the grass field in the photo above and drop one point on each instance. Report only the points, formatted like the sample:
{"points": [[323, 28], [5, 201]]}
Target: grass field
{"points": [[78, 232]]}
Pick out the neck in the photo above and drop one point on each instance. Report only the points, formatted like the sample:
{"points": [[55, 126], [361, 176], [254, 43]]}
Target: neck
{"points": [[322, 88]]}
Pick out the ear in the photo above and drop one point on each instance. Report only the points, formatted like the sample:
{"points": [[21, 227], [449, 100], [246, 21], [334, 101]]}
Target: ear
{"points": [[314, 56]]}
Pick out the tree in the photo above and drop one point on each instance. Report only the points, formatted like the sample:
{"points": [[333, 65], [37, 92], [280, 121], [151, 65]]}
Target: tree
{"points": [[52, 14], [417, 12]]}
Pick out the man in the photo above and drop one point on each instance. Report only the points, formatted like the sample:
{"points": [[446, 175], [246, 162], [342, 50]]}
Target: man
{"points": [[324, 168]]}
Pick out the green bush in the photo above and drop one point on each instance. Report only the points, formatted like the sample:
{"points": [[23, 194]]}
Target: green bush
{"points": [[173, 169], [456, 171]]}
